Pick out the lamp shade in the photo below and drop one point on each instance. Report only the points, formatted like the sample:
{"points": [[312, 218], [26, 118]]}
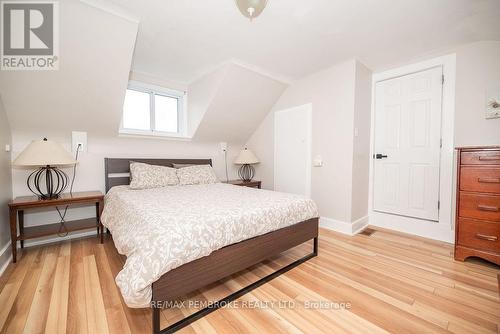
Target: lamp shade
{"points": [[44, 153], [246, 157]]}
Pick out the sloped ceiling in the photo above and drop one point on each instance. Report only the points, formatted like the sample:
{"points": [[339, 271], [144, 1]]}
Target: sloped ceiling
{"points": [[200, 96], [180, 39], [88, 90], [231, 102]]}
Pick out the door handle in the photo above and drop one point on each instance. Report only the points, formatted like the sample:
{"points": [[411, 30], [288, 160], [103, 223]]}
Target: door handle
{"points": [[486, 237], [379, 156], [487, 208]]}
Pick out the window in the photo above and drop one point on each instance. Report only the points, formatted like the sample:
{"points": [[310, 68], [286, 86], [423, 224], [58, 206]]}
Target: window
{"points": [[150, 110]]}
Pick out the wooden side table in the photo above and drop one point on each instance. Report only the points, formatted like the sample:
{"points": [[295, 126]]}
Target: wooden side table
{"points": [[251, 184], [19, 204]]}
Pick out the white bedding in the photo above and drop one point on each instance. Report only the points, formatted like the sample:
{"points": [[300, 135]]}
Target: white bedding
{"points": [[163, 228]]}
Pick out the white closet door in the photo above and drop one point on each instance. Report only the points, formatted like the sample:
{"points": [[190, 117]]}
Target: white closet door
{"points": [[292, 150], [407, 142]]}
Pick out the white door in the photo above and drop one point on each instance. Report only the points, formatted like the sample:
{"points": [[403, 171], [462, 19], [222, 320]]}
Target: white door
{"points": [[407, 142], [292, 143]]}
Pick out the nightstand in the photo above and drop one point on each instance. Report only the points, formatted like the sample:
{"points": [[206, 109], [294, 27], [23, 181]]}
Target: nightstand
{"points": [[251, 184], [19, 204]]}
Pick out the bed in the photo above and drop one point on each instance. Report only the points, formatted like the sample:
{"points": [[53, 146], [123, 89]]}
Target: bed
{"points": [[178, 239]]}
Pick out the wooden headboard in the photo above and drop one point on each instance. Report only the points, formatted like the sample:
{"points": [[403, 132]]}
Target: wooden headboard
{"points": [[117, 170]]}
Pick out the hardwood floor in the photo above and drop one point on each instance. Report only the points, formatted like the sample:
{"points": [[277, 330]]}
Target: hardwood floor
{"points": [[390, 282]]}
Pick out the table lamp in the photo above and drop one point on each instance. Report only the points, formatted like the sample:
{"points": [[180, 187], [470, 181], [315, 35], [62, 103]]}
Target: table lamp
{"points": [[47, 181], [246, 158]]}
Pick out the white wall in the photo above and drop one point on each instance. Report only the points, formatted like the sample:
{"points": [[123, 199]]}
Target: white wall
{"points": [[156, 81], [361, 143], [261, 142], [5, 186], [478, 71], [332, 93]]}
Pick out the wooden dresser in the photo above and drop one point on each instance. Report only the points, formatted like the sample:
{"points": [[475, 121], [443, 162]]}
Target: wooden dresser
{"points": [[477, 230]]}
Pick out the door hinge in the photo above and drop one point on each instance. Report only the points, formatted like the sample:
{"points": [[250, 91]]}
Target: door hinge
{"points": [[441, 142], [439, 204], [442, 79]]}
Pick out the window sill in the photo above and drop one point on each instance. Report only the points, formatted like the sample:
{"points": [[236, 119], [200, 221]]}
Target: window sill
{"points": [[152, 135]]}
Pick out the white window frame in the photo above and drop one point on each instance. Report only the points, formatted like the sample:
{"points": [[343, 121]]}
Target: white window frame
{"points": [[153, 90]]}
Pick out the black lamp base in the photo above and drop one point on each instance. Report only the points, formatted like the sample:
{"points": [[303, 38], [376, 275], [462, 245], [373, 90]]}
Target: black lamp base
{"points": [[47, 182], [47, 197], [246, 172]]}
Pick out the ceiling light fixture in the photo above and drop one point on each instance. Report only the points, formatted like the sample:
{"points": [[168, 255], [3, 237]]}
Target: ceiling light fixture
{"points": [[251, 8]]}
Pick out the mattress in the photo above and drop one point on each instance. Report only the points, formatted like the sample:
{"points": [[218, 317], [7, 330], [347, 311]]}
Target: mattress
{"points": [[161, 229]]}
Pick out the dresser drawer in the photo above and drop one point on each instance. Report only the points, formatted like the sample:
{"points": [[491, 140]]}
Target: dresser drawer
{"points": [[479, 206], [479, 235], [480, 158], [480, 179]]}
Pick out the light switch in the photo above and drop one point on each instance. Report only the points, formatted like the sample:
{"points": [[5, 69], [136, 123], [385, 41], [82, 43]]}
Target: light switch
{"points": [[318, 161], [79, 137], [7, 148]]}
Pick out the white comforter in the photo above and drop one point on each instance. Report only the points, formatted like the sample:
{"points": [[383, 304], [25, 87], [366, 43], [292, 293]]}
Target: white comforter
{"points": [[164, 228]]}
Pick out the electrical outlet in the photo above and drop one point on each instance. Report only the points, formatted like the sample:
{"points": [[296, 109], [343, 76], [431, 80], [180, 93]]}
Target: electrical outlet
{"points": [[79, 138], [223, 147]]}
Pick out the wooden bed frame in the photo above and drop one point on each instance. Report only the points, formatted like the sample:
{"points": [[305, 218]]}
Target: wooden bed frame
{"points": [[220, 263]]}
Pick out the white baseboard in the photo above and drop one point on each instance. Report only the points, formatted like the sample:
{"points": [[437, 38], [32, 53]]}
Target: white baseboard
{"points": [[360, 224], [32, 243], [422, 228], [5, 263], [344, 227]]}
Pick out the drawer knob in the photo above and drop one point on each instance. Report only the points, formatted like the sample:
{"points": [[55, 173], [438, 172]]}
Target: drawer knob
{"points": [[486, 237], [488, 180], [487, 208]]}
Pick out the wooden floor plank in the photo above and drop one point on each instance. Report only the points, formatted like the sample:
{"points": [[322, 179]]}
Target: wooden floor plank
{"points": [[38, 312], [117, 319], [21, 306], [139, 320], [393, 282], [77, 309], [96, 313], [9, 293], [58, 308]]}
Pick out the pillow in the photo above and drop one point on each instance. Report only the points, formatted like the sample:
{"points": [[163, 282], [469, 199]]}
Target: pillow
{"points": [[198, 174], [144, 176]]}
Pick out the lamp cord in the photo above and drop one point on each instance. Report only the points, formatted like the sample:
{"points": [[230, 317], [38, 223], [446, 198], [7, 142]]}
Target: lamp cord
{"points": [[225, 162], [74, 169], [63, 231]]}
